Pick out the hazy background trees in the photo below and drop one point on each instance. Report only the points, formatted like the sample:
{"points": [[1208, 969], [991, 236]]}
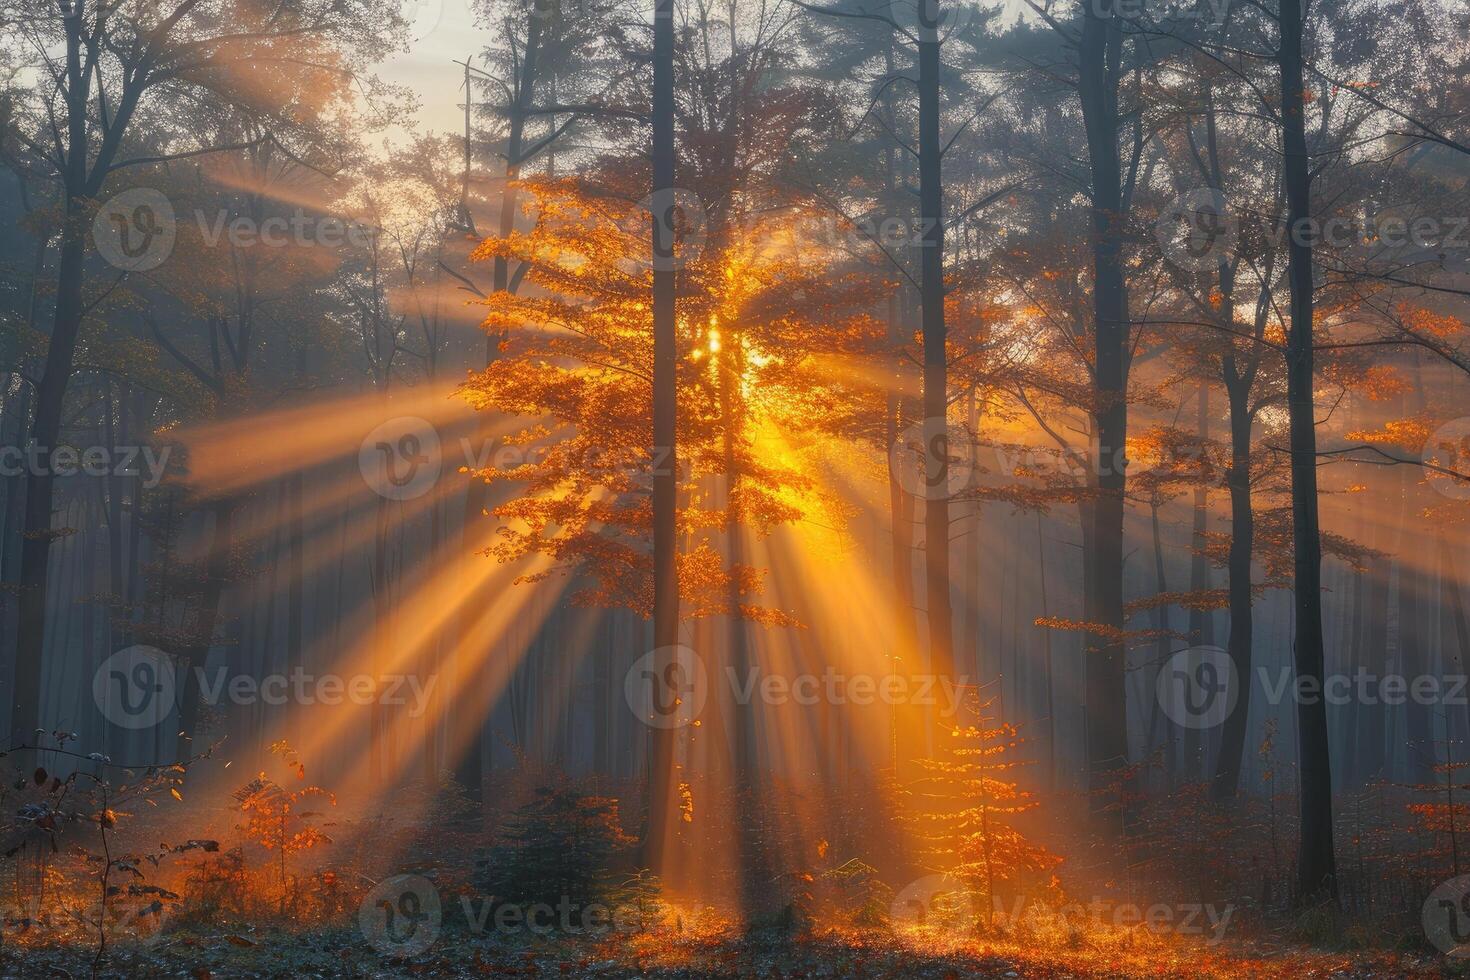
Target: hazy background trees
{"points": [[965, 246]]}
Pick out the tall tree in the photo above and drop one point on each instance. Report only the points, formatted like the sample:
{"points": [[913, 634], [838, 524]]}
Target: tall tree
{"points": [[664, 448], [1316, 862], [1099, 64], [116, 64]]}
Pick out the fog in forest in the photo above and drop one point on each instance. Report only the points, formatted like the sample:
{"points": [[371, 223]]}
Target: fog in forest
{"points": [[777, 488]]}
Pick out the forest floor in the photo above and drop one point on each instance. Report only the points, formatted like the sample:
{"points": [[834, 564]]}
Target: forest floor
{"points": [[875, 955]]}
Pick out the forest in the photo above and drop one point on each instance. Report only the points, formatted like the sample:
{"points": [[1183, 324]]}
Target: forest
{"points": [[745, 489]]}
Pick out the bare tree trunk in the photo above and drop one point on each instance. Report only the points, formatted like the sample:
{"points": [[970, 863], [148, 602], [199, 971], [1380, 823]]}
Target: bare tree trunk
{"points": [[295, 559], [1242, 614], [1349, 720], [192, 660], [1107, 716], [1369, 749], [1416, 660], [937, 598], [749, 774], [661, 801], [900, 502], [14, 505], [113, 486], [1201, 621], [35, 549], [1162, 623], [473, 764], [1316, 863], [901, 516], [1452, 602], [1051, 708]]}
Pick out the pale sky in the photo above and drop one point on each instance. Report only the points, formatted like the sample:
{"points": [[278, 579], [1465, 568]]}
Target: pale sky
{"points": [[445, 32]]}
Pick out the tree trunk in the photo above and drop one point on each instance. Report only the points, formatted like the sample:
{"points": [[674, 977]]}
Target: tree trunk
{"points": [[1369, 755], [1242, 615], [35, 551], [900, 502], [660, 788], [1416, 659], [194, 656], [1051, 708], [749, 774], [14, 507], [1158, 723], [1452, 605], [1107, 716], [1201, 621], [937, 598], [472, 763], [1316, 864]]}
